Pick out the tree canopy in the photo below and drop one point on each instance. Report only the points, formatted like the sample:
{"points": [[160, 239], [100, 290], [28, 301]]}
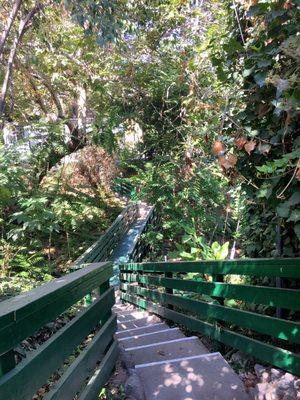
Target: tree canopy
{"points": [[196, 103]]}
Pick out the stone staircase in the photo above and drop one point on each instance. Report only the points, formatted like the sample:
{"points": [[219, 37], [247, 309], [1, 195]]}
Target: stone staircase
{"points": [[170, 365]]}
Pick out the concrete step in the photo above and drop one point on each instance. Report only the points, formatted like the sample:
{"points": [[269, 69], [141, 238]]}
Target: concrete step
{"points": [[204, 377], [151, 337], [135, 315], [167, 350], [126, 312], [143, 329], [122, 308], [137, 323]]}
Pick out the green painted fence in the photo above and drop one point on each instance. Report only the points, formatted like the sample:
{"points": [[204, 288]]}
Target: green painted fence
{"points": [[23, 315], [104, 247], [141, 247], [203, 306]]}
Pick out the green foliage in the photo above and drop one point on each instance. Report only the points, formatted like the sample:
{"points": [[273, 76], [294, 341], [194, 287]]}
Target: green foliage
{"points": [[261, 124], [33, 217], [192, 207], [183, 77], [46, 225]]}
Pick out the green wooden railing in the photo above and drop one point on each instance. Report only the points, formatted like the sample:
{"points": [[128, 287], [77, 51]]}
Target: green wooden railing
{"points": [[23, 315], [141, 247], [164, 289], [104, 247]]}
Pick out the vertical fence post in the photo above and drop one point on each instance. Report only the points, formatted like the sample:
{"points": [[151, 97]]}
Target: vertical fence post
{"points": [[218, 346], [168, 290], [279, 281], [88, 299], [7, 362], [102, 289]]}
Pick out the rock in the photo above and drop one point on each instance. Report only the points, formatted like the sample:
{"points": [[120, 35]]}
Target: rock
{"points": [[286, 381], [265, 376], [297, 384], [274, 384], [275, 373], [289, 377], [259, 369], [134, 388], [262, 388], [126, 361], [253, 392], [290, 394]]}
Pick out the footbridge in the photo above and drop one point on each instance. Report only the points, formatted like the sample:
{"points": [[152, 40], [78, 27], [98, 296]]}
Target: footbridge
{"points": [[153, 316]]}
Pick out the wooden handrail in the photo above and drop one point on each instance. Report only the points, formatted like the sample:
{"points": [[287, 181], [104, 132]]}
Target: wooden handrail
{"points": [[23, 315], [197, 307]]}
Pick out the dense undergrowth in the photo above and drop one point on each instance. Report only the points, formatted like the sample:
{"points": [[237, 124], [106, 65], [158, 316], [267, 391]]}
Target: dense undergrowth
{"points": [[195, 102], [46, 225], [198, 102]]}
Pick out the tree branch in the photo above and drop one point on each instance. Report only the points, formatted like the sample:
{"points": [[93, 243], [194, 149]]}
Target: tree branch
{"points": [[47, 83], [23, 25], [37, 96], [9, 24]]}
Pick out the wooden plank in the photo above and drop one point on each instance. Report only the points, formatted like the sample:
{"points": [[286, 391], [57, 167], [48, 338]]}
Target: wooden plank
{"points": [[138, 247], [84, 365], [101, 375], [275, 327], [281, 267], [27, 377], [91, 253], [30, 317], [275, 297], [27, 302], [109, 243], [169, 275], [265, 352], [7, 362]]}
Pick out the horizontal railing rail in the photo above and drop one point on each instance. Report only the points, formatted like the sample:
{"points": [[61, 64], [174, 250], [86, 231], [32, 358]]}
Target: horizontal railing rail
{"points": [[203, 305], [23, 315]]}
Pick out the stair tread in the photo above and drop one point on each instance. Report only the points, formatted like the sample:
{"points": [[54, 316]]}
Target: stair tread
{"points": [[137, 323], [166, 350], [208, 377], [151, 337], [131, 316], [143, 329]]}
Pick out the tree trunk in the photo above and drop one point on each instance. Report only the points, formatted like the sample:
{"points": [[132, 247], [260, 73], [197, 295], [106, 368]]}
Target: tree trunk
{"points": [[12, 54], [9, 24]]}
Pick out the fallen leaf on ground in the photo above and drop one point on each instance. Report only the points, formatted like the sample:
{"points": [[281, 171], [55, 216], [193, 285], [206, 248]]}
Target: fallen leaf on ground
{"points": [[240, 142], [250, 146], [227, 161]]}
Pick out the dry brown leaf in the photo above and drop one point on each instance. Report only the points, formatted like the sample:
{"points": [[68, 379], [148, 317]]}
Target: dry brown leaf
{"points": [[218, 148], [240, 142], [249, 3], [298, 174], [250, 146], [227, 161]]}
